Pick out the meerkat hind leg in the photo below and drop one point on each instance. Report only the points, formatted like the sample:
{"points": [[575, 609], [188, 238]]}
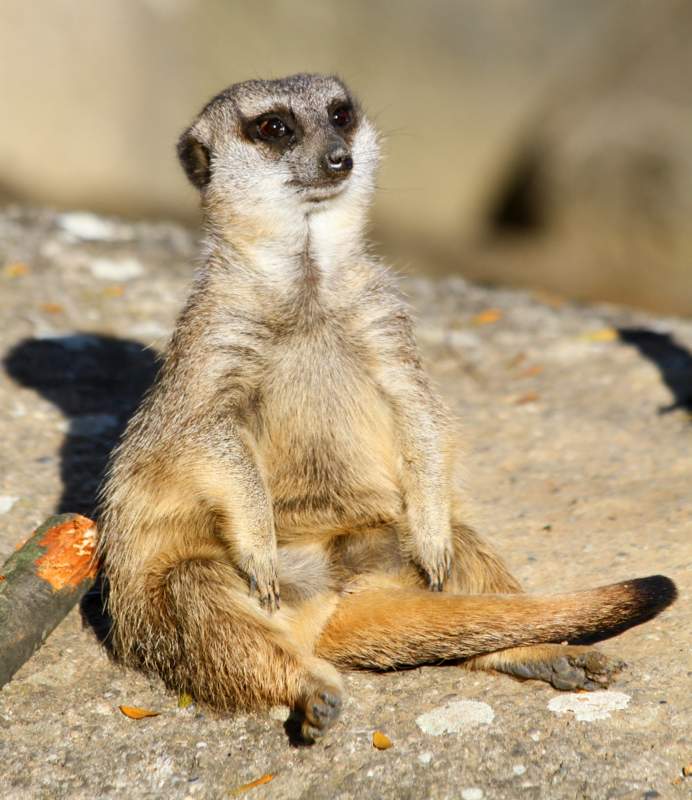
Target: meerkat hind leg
{"points": [[565, 667], [231, 654]]}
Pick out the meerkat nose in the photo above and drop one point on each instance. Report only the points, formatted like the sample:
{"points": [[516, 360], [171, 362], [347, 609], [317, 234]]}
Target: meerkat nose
{"points": [[338, 161]]}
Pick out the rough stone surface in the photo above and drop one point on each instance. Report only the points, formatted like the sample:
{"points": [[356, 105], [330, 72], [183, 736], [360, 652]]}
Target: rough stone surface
{"points": [[579, 453]]}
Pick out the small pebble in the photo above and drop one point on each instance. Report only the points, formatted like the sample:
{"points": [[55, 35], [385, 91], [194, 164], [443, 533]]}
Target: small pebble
{"points": [[6, 503], [472, 793], [381, 741], [425, 758], [112, 269], [90, 228]]}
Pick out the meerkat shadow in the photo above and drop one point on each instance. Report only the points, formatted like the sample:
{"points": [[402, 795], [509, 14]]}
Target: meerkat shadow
{"points": [[673, 361], [96, 382], [293, 730]]}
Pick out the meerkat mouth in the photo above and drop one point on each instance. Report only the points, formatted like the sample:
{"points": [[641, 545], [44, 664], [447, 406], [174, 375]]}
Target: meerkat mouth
{"points": [[319, 194]]}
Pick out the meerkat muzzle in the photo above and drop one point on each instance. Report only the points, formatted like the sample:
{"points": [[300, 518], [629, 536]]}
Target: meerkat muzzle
{"points": [[337, 162]]}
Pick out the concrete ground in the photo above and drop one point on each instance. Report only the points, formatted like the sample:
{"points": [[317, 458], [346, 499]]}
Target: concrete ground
{"points": [[579, 452]]}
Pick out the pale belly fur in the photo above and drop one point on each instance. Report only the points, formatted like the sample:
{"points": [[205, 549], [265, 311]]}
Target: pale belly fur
{"points": [[328, 447]]}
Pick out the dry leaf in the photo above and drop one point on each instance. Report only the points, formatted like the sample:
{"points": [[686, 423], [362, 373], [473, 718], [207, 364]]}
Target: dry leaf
{"points": [[16, 270], [259, 782], [113, 291], [52, 308], [531, 372], [185, 700], [137, 713], [602, 335], [487, 317], [381, 741], [529, 397]]}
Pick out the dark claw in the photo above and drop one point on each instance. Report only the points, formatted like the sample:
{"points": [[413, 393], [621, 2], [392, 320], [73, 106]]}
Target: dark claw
{"points": [[270, 602], [330, 699], [434, 584]]}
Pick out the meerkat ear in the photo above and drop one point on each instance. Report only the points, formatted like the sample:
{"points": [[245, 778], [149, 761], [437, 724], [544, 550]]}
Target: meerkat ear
{"points": [[195, 159]]}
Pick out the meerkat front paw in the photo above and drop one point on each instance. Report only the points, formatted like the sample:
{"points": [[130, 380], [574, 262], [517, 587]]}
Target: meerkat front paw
{"points": [[433, 557], [263, 582]]}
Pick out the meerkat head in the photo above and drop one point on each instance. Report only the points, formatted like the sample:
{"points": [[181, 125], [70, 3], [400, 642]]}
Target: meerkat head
{"points": [[298, 144]]}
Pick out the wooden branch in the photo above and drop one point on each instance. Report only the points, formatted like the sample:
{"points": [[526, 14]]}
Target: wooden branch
{"points": [[40, 583]]}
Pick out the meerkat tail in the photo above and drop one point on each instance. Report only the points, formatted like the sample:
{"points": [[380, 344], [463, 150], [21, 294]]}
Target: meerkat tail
{"points": [[383, 628]]}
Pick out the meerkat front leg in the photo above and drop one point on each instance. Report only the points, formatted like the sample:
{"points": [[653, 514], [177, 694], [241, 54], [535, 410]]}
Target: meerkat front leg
{"points": [[231, 480], [424, 482], [421, 428]]}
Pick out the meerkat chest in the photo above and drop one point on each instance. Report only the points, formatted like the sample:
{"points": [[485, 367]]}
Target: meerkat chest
{"points": [[326, 437]]}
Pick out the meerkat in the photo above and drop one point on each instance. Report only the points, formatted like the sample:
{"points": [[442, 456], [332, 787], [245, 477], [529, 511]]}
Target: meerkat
{"points": [[285, 502]]}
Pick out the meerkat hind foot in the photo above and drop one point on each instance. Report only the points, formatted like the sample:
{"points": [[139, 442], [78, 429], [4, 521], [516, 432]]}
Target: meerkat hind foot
{"points": [[590, 670], [565, 667]]}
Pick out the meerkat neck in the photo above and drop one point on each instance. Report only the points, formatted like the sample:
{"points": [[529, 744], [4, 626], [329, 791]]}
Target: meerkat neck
{"points": [[289, 248], [336, 236]]}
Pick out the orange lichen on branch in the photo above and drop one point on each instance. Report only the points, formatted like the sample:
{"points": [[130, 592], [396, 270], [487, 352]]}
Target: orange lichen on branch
{"points": [[69, 553]]}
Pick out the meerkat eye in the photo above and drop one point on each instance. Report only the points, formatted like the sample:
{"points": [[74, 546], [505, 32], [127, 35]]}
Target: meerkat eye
{"points": [[271, 129], [342, 116]]}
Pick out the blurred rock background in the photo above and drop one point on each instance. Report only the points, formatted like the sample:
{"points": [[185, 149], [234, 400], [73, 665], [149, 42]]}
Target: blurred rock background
{"points": [[543, 143]]}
